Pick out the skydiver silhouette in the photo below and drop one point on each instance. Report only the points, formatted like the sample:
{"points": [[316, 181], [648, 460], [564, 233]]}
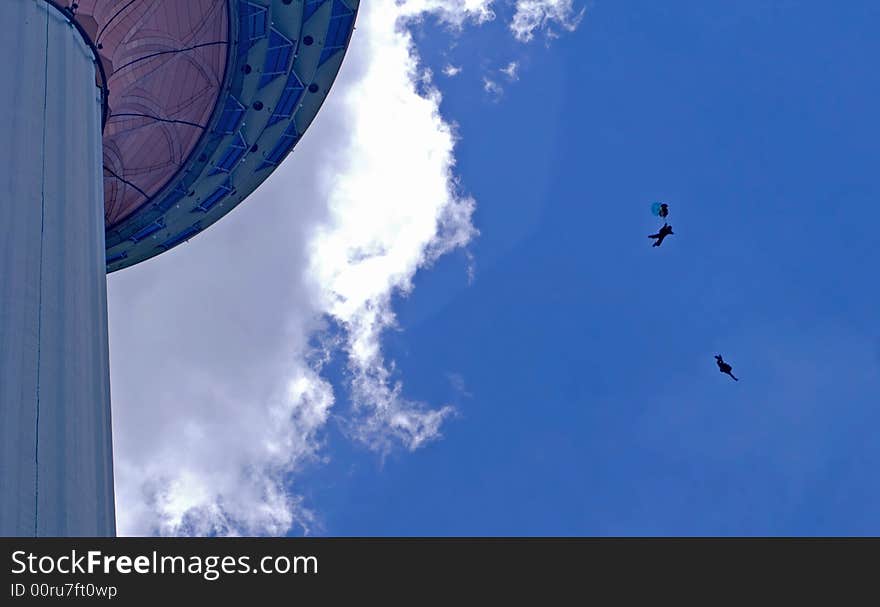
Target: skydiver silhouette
{"points": [[665, 231], [664, 210], [724, 367]]}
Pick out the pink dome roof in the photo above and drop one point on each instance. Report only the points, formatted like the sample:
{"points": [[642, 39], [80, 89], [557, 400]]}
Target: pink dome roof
{"points": [[165, 62]]}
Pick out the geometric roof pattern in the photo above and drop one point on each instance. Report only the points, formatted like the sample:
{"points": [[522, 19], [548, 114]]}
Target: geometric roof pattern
{"points": [[203, 100]]}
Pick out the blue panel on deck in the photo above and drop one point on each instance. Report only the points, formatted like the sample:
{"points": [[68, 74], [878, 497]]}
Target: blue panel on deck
{"points": [[251, 26], [285, 143], [288, 100], [117, 257], [148, 230], [341, 22], [278, 57], [218, 195], [233, 153], [232, 114], [172, 199], [181, 236], [310, 8]]}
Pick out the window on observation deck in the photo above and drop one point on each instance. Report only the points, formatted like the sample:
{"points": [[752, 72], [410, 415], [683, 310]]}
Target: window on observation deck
{"points": [[289, 98], [172, 199], [148, 230], [219, 194], [117, 257], [284, 144], [231, 116], [251, 26], [341, 20], [278, 57], [181, 236], [310, 8], [234, 151]]}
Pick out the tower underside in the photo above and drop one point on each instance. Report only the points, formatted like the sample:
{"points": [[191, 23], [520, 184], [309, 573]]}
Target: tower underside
{"points": [[56, 468]]}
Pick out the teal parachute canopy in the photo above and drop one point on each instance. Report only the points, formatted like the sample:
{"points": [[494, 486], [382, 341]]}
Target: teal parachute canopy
{"points": [[660, 209]]}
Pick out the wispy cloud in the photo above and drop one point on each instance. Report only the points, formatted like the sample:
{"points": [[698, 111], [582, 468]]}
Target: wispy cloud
{"points": [[535, 15], [394, 211], [511, 70], [456, 380], [452, 70], [454, 13], [492, 88]]}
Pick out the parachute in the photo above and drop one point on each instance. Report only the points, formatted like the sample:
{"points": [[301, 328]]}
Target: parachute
{"points": [[660, 209]]}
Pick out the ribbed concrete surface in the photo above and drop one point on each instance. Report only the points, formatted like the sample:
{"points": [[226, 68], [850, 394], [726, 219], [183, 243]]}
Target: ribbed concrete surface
{"points": [[56, 471]]}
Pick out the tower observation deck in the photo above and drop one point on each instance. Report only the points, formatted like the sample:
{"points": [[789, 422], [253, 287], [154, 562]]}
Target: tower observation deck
{"points": [[133, 126]]}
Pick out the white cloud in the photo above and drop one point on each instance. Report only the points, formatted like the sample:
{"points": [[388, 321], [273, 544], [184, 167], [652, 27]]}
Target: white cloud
{"points": [[218, 346], [395, 210], [511, 70], [218, 393], [532, 15], [456, 380], [491, 87], [454, 13], [452, 70]]}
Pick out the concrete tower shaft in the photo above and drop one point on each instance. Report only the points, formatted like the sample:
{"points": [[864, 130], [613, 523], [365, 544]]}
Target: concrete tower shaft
{"points": [[56, 468]]}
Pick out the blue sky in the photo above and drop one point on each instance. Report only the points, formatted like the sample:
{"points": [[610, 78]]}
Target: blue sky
{"points": [[580, 359], [344, 355]]}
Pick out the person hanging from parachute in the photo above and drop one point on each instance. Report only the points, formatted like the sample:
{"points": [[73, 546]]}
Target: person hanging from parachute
{"points": [[661, 209], [665, 231], [724, 367]]}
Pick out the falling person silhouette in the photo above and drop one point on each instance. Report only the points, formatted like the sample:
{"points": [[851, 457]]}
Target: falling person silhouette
{"points": [[724, 367], [665, 231]]}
